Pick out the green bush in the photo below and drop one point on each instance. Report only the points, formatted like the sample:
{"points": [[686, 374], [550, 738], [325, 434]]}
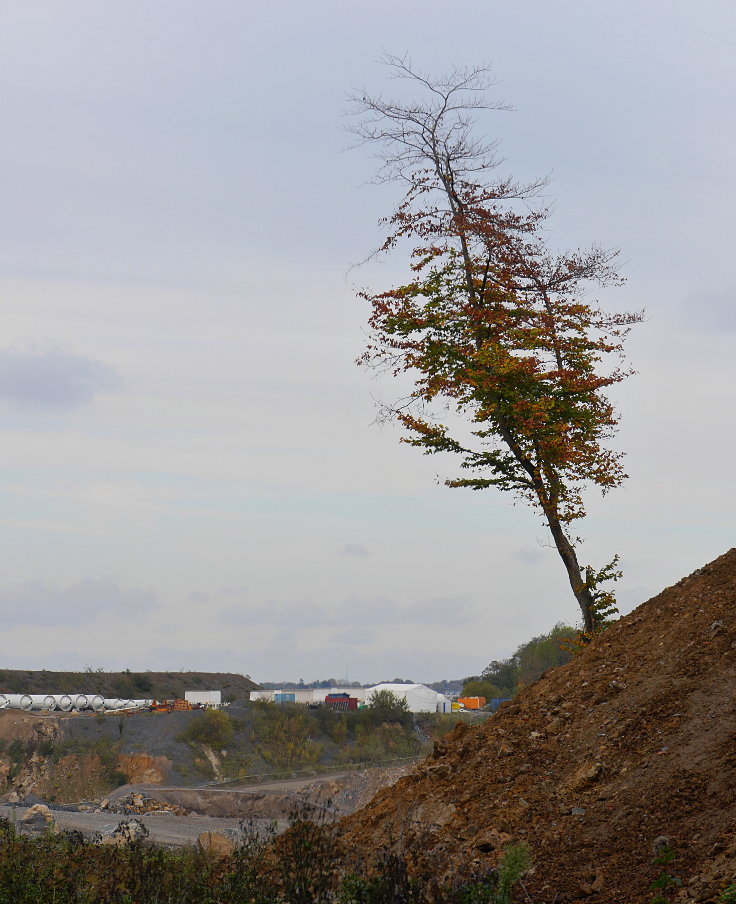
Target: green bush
{"points": [[17, 751], [142, 683], [478, 687], [214, 728]]}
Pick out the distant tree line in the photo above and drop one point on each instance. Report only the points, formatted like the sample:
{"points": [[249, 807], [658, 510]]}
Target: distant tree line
{"points": [[327, 683], [504, 677]]}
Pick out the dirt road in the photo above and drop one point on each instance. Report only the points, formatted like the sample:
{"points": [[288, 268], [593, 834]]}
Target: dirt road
{"points": [[163, 828]]}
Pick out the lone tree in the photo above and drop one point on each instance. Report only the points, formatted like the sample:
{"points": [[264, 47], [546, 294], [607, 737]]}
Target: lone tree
{"points": [[498, 332]]}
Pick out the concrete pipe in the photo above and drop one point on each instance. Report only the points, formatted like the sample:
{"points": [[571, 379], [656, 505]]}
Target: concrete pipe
{"points": [[40, 701], [18, 701], [63, 702]]}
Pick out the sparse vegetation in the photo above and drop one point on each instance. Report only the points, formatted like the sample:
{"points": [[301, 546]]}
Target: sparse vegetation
{"points": [[664, 854], [65, 869], [214, 728]]}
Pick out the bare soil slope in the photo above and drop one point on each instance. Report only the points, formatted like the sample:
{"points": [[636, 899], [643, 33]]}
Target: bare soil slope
{"points": [[633, 739]]}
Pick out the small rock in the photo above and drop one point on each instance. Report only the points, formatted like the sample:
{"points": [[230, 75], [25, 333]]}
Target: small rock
{"points": [[38, 811], [577, 811], [660, 843], [127, 832], [215, 844]]}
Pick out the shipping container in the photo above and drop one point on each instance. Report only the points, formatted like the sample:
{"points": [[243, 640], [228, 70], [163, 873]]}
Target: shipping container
{"points": [[341, 702], [472, 702]]}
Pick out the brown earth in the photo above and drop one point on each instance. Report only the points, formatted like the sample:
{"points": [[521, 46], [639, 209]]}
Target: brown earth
{"points": [[633, 739], [139, 768]]}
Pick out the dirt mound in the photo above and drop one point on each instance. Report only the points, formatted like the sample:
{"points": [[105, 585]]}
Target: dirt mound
{"points": [[633, 739]]}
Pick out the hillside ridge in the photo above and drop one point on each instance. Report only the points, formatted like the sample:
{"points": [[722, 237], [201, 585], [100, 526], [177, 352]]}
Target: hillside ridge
{"points": [[127, 684], [635, 738]]}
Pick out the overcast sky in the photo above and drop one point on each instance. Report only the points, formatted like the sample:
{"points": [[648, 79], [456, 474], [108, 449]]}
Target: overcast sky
{"points": [[191, 477]]}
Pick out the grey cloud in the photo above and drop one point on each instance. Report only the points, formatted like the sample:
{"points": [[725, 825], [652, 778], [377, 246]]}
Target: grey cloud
{"points": [[355, 549], [353, 637], [53, 379], [197, 597], [354, 611], [202, 596], [713, 310], [41, 604]]}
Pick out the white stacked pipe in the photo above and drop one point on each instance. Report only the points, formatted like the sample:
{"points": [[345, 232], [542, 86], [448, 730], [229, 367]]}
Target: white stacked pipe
{"points": [[18, 701], [37, 701], [67, 702], [116, 703]]}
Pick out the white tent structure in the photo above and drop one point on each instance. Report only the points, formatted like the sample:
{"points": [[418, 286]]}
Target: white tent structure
{"points": [[420, 698]]}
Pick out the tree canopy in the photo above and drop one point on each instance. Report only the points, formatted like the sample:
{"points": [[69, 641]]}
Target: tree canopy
{"points": [[508, 352], [528, 662]]}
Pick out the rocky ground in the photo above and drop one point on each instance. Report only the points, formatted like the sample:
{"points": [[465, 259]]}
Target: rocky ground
{"points": [[162, 828], [179, 816], [633, 739]]}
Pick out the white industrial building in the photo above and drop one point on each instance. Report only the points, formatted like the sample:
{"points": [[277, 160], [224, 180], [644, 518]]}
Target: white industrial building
{"points": [[204, 698], [307, 695], [419, 697]]}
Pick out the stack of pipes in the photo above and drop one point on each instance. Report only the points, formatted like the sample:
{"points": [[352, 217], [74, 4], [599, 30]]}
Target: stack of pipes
{"points": [[68, 702]]}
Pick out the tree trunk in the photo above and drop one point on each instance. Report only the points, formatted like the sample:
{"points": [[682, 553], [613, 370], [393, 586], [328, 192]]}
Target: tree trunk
{"points": [[570, 561]]}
